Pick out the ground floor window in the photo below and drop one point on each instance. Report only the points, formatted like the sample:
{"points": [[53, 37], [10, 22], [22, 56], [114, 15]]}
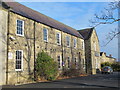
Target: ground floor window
{"points": [[75, 62], [19, 60], [59, 62], [83, 64], [68, 58]]}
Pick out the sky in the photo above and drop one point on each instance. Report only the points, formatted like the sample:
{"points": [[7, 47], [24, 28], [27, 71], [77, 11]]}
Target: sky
{"points": [[77, 15]]}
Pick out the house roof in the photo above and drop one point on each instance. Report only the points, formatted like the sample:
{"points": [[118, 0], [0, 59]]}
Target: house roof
{"points": [[101, 53], [86, 33], [38, 17]]}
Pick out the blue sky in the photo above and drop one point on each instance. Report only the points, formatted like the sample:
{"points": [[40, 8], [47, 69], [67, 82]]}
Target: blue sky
{"points": [[77, 15]]}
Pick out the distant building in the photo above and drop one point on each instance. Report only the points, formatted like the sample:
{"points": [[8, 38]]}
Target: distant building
{"points": [[92, 50], [105, 58]]}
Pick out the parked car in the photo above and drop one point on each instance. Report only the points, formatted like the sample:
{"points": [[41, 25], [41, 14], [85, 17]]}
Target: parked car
{"points": [[106, 69]]}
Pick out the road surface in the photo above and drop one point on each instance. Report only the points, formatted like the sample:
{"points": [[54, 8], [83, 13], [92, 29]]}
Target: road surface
{"points": [[91, 81]]}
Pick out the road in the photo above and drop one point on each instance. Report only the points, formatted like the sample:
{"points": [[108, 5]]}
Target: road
{"points": [[91, 81]]}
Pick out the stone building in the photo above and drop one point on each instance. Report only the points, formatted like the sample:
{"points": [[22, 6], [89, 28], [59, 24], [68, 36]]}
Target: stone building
{"points": [[92, 50], [105, 58], [25, 32]]}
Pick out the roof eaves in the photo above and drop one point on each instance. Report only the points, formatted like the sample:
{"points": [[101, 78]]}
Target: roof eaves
{"points": [[69, 31]]}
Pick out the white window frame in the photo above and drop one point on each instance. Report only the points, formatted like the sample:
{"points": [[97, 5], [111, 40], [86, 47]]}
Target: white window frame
{"points": [[22, 28], [83, 45], [67, 39], [96, 63], [47, 34], [58, 39], [95, 46], [75, 43], [21, 61]]}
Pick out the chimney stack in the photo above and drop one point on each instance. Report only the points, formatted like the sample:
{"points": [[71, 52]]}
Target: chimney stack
{"points": [[110, 55], [105, 53]]}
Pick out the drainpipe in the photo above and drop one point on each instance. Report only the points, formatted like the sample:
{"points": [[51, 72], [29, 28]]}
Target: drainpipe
{"points": [[72, 57], [34, 56], [7, 47], [62, 52]]}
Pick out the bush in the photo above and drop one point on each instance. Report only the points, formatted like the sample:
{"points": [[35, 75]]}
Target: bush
{"points": [[71, 72], [46, 67], [116, 66]]}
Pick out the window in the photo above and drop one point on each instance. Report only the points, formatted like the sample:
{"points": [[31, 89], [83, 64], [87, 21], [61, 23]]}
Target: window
{"points": [[20, 28], [58, 37], [83, 63], [75, 43], [96, 64], [45, 35], [95, 46], [68, 62], [82, 44], [59, 62], [68, 41], [19, 60], [75, 62]]}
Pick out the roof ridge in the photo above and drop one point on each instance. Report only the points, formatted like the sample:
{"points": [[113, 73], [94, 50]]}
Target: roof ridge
{"points": [[86, 29]]}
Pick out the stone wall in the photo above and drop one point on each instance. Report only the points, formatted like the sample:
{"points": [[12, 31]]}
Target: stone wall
{"points": [[31, 48], [25, 43], [92, 55], [95, 53], [3, 44]]}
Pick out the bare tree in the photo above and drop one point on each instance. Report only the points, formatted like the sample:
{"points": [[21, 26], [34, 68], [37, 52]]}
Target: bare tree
{"points": [[108, 16]]}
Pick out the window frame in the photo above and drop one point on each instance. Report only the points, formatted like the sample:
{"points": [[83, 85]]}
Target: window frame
{"points": [[75, 61], [58, 39], [67, 37], [22, 28], [21, 61], [75, 44], [95, 47], [47, 34], [60, 62], [69, 62], [83, 45]]}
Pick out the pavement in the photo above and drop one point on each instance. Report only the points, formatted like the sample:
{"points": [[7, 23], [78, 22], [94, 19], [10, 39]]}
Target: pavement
{"points": [[91, 81]]}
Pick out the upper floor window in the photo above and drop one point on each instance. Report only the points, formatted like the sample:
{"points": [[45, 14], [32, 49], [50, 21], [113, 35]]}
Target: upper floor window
{"points": [[95, 46], [68, 41], [82, 44], [58, 38], [75, 43], [20, 27], [45, 35], [19, 60]]}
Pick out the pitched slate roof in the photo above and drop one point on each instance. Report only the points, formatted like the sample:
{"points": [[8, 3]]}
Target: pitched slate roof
{"points": [[38, 17], [86, 33], [101, 53]]}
